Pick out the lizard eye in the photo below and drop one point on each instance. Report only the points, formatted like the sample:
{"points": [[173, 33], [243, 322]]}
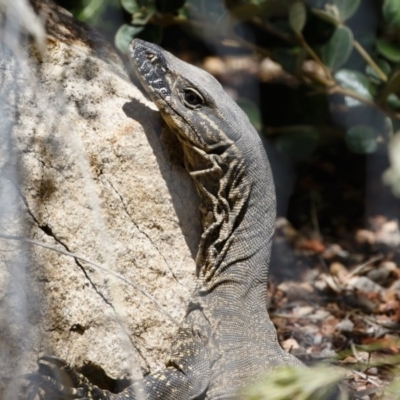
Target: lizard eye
{"points": [[192, 98]]}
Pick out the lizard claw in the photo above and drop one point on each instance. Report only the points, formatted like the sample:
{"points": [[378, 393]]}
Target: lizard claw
{"points": [[57, 378], [58, 366]]}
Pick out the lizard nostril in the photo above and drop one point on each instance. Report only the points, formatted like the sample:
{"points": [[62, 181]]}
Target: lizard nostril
{"points": [[151, 56]]}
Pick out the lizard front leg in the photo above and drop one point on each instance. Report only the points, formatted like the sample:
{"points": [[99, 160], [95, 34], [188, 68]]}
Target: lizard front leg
{"points": [[186, 375]]}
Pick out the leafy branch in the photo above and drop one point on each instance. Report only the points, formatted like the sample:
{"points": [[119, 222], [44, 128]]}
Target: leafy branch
{"points": [[294, 33]]}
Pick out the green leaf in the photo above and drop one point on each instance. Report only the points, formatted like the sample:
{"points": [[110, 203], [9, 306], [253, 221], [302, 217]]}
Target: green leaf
{"points": [[391, 177], [141, 10], [143, 17], [92, 9], [169, 6], [392, 86], [315, 383], [125, 35], [393, 389], [388, 50], [373, 76], [326, 16], [337, 51], [132, 6], [256, 2], [297, 142], [273, 8], [391, 12], [244, 12], [393, 102], [297, 16], [347, 8], [184, 13], [355, 81], [361, 139]]}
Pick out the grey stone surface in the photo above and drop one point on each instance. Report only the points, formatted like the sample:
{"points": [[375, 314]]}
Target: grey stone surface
{"points": [[84, 168]]}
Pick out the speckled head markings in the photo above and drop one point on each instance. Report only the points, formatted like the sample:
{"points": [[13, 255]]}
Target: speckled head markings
{"points": [[150, 65], [186, 100]]}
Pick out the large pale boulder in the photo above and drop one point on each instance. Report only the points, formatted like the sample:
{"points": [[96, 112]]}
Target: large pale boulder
{"points": [[84, 168]]}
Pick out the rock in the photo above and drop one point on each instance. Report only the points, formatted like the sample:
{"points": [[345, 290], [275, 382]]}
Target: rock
{"points": [[345, 325], [290, 344], [379, 275], [364, 236], [334, 250], [389, 234], [340, 271], [83, 169], [364, 284], [296, 291]]}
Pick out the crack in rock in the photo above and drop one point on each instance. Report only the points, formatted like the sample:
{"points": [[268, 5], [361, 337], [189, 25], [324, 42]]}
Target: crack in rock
{"points": [[142, 232]]}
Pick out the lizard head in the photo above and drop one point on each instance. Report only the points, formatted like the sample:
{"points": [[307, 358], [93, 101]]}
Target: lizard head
{"points": [[191, 101]]}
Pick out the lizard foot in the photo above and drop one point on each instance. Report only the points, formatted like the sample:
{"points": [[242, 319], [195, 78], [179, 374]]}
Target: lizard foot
{"points": [[57, 378]]}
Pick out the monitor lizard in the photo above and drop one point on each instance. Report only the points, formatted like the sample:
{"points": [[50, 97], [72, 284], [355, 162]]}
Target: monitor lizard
{"points": [[226, 340]]}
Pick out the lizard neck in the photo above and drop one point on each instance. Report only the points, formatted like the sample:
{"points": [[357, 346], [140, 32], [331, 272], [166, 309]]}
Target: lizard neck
{"points": [[238, 215]]}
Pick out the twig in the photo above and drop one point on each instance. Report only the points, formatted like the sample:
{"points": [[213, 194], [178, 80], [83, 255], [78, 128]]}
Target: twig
{"points": [[272, 29], [347, 92], [360, 267], [368, 378], [316, 58], [93, 264], [355, 352], [369, 60]]}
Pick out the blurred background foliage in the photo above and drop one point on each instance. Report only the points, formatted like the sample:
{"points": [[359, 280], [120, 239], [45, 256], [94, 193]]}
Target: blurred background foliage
{"points": [[323, 85]]}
